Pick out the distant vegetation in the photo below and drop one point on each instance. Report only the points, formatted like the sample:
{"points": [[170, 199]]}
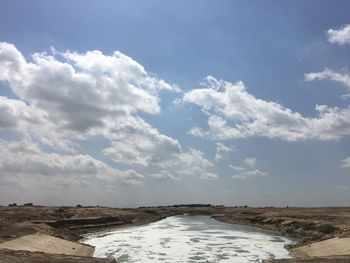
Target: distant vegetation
{"points": [[26, 204], [180, 205], [192, 205]]}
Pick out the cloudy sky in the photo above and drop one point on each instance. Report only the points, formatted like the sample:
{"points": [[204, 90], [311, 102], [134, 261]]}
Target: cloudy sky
{"points": [[134, 103]]}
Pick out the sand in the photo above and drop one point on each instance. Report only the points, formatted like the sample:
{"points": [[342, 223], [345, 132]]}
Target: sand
{"points": [[48, 244], [330, 247], [19, 256], [333, 259]]}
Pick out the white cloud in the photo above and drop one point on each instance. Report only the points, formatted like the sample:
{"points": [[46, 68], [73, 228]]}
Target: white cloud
{"points": [[249, 173], [177, 102], [17, 116], [192, 162], [209, 176], [84, 90], [69, 97], [343, 78], [250, 161], [15, 113], [164, 175], [339, 36], [346, 163], [221, 151], [198, 132], [74, 97], [136, 142], [25, 158], [237, 168], [235, 113], [345, 96]]}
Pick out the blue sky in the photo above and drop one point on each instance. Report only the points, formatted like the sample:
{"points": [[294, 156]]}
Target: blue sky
{"points": [[230, 102]]}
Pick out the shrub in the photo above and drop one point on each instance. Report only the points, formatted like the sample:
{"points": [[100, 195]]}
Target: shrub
{"points": [[28, 204], [326, 228], [78, 205], [14, 204]]}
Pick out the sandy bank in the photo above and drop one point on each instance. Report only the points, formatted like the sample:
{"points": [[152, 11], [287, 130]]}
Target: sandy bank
{"points": [[331, 247], [39, 242], [16, 256]]}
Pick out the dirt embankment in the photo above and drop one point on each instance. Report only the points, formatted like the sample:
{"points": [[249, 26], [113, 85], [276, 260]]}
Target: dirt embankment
{"points": [[68, 222], [306, 224], [323, 233]]}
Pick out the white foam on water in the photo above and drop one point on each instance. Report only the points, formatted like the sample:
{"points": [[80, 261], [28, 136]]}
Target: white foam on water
{"points": [[188, 239]]}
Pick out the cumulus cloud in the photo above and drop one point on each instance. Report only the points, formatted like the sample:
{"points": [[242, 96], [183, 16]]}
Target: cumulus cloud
{"points": [[26, 120], [136, 142], [339, 36], [16, 113], [235, 113], [81, 91], [66, 98], [74, 96], [221, 151], [23, 158], [192, 162]]}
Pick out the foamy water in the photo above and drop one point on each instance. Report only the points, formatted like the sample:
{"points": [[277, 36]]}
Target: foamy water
{"points": [[188, 239]]}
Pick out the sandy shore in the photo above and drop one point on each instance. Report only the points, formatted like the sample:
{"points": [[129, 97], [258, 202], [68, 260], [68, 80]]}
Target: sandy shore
{"points": [[48, 244], [333, 259], [311, 225], [329, 247]]}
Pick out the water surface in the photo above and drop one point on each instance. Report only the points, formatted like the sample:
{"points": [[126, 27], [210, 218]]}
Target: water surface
{"points": [[188, 239]]}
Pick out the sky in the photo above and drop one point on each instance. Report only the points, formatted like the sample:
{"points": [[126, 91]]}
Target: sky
{"points": [[145, 103]]}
